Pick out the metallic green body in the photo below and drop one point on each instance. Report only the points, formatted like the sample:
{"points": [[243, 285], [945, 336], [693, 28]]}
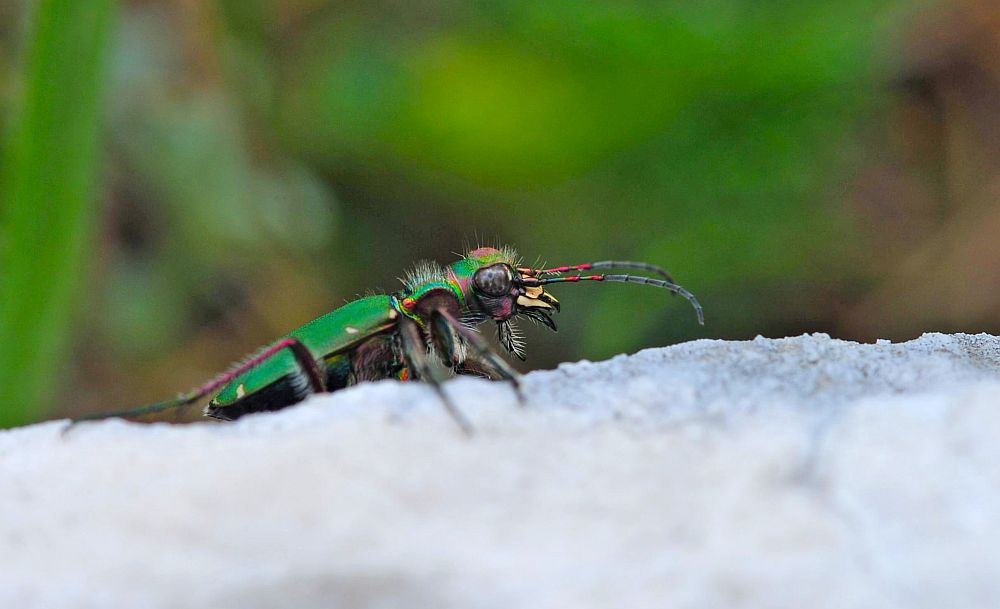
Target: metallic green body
{"points": [[326, 338]]}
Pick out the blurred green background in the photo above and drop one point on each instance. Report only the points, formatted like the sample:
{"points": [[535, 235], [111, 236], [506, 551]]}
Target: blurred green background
{"points": [[183, 181]]}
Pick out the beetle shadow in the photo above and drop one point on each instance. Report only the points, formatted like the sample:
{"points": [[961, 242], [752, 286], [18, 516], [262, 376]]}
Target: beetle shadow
{"points": [[355, 591]]}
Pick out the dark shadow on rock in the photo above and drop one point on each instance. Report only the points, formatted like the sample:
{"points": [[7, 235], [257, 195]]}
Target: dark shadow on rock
{"points": [[344, 591]]}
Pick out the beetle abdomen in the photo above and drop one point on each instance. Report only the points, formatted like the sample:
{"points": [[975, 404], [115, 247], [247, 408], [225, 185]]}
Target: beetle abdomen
{"points": [[275, 396], [288, 390], [373, 360]]}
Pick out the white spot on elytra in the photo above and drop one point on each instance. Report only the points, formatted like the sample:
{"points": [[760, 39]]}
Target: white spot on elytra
{"points": [[241, 391], [351, 330]]}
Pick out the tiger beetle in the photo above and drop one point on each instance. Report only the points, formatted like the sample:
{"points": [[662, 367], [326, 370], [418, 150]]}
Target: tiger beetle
{"points": [[397, 336]]}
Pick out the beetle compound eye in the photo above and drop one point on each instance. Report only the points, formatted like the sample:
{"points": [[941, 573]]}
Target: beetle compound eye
{"points": [[494, 280]]}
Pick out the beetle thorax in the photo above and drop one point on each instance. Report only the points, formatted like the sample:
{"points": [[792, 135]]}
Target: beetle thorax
{"points": [[424, 305]]}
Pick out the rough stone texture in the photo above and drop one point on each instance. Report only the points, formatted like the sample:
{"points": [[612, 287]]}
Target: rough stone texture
{"points": [[802, 472]]}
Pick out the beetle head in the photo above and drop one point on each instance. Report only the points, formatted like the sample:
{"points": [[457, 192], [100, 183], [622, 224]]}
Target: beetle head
{"points": [[495, 287], [501, 293]]}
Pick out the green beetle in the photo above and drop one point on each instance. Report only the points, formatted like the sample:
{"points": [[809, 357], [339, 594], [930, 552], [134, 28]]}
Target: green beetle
{"points": [[394, 336]]}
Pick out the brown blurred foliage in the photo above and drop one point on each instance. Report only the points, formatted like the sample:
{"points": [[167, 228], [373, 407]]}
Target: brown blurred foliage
{"points": [[927, 197]]}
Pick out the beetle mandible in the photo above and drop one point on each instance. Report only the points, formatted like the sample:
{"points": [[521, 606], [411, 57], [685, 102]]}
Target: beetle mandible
{"points": [[396, 335]]}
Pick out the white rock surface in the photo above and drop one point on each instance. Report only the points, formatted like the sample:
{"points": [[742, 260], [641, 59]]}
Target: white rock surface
{"points": [[803, 472]]}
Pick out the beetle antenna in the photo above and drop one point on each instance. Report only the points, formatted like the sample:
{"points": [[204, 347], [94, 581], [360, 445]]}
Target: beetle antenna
{"points": [[659, 283], [609, 264]]}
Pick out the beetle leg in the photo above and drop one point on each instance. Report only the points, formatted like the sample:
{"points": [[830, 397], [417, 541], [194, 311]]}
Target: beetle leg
{"points": [[299, 351], [415, 356], [483, 352], [473, 365], [447, 342]]}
